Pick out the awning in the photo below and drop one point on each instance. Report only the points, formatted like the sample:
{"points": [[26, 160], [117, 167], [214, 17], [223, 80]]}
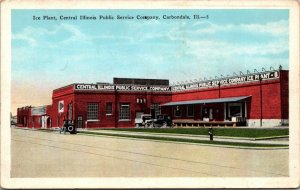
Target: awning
{"points": [[217, 100]]}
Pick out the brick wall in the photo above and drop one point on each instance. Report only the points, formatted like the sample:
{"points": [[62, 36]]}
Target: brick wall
{"points": [[112, 120], [284, 94], [56, 117], [274, 103], [82, 99], [271, 104], [23, 117]]}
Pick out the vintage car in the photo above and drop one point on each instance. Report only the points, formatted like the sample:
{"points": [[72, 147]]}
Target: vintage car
{"points": [[163, 120], [144, 120], [68, 127]]}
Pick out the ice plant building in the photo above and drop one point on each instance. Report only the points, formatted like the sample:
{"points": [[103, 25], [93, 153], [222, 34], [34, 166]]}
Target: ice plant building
{"points": [[109, 105], [254, 99]]}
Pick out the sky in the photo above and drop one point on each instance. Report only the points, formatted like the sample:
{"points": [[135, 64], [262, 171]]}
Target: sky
{"points": [[48, 54]]}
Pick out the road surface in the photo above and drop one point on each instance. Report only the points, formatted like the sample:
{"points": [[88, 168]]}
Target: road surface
{"points": [[50, 154]]}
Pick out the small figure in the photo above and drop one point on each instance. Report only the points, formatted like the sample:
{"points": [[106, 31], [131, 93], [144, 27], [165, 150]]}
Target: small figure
{"points": [[64, 128], [211, 133]]}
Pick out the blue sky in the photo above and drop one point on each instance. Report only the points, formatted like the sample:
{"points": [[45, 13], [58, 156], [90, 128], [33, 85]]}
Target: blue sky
{"points": [[50, 54]]}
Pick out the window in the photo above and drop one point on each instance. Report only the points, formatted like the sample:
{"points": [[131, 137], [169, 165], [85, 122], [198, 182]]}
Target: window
{"points": [[177, 111], [190, 110], [108, 108], [79, 122], [124, 112], [235, 109], [61, 106], [92, 111]]}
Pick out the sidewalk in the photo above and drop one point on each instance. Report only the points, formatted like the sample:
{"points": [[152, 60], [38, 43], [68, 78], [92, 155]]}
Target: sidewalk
{"points": [[283, 141], [186, 136]]}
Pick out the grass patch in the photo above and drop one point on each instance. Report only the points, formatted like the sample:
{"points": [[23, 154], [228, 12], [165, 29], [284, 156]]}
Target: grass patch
{"points": [[230, 132], [238, 144]]}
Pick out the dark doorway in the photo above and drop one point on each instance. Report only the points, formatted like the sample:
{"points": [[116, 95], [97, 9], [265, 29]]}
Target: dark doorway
{"points": [[79, 122]]}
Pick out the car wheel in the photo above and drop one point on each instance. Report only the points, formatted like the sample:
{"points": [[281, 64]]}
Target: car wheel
{"points": [[70, 128]]}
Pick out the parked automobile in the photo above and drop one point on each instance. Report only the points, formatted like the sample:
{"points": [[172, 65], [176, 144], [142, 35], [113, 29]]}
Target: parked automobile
{"points": [[144, 120], [13, 123], [68, 127], [163, 120]]}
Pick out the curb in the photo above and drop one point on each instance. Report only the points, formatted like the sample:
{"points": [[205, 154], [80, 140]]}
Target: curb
{"points": [[183, 135], [200, 143], [274, 137]]}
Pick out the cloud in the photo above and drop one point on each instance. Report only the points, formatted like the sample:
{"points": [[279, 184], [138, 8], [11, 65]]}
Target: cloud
{"points": [[279, 28], [27, 38], [53, 37], [34, 35], [276, 29], [76, 35], [210, 48], [168, 42]]}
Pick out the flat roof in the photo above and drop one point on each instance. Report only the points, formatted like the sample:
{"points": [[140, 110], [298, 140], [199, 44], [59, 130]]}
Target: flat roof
{"points": [[141, 81]]}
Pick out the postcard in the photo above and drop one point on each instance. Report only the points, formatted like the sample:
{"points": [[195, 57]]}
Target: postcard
{"points": [[149, 94]]}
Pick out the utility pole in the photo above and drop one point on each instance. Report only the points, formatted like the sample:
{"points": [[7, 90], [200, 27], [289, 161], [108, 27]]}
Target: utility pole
{"points": [[260, 94], [219, 84]]}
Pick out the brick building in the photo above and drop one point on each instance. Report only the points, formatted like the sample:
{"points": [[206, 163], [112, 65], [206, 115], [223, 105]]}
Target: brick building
{"points": [[34, 117], [108, 105], [259, 99]]}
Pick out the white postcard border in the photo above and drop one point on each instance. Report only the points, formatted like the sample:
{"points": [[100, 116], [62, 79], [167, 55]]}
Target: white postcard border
{"points": [[274, 182]]}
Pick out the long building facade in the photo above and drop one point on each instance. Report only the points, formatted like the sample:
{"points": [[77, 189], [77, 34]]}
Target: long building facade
{"points": [[258, 99]]}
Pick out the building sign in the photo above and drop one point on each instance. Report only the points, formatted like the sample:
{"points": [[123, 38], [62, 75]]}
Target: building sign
{"points": [[61, 106], [107, 87], [227, 81], [191, 86], [38, 110]]}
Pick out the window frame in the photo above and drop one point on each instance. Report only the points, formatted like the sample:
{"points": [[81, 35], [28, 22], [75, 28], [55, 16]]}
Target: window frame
{"points": [[121, 114], [88, 112], [237, 104], [111, 108]]}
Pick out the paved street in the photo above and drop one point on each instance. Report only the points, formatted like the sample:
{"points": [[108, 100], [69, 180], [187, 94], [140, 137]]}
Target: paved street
{"points": [[50, 154]]}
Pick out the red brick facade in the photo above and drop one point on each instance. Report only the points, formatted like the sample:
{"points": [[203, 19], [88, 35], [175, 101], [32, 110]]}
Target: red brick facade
{"points": [[27, 117], [273, 107], [80, 100], [266, 102]]}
